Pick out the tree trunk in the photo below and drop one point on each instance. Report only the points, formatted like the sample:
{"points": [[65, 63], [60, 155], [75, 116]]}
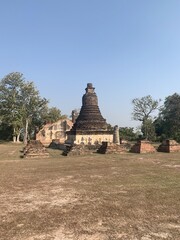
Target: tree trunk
{"points": [[26, 132], [14, 135], [18, 136]]}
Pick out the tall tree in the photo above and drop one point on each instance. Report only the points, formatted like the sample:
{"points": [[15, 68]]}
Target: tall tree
{"points": [[160, 128], [10, 88], [20, 103], [32, 106], [148, 129], [142, 111], [170, 116]]}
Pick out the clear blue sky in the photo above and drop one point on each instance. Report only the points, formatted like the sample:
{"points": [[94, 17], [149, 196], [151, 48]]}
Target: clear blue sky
{"points": [[126, 48]]}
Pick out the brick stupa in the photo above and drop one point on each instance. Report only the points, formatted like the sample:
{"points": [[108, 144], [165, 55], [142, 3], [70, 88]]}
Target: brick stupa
{"points": [[90, 127]]}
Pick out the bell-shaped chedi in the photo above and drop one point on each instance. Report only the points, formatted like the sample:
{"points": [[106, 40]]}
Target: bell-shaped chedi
{"points": [[90, 117], [90, 127]]}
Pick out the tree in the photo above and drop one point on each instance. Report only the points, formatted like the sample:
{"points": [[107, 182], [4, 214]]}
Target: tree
{"points": [[142, 110], [127, 133], [160, 128], [32, 106], [110, 127], [10, 88], [170, 117], [53, 114], [148, 129], [20, 104], [144, 107]]}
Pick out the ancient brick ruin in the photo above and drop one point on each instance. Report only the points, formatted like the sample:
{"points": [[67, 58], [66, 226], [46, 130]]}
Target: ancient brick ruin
{"points": [[35, 149], [169, 146], [143, 146], [54, 132], [109, 148], [81, 149], [90, 127]]}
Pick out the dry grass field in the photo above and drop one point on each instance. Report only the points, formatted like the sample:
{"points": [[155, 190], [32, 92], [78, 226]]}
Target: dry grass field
{"points": [[96, 197]]}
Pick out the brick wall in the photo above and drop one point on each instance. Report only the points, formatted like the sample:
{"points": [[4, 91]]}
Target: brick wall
{"points": [[169, 146], [143, 147]]}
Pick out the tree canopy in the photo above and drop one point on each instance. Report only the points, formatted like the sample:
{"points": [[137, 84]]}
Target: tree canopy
{"points": [[142, 111], [22, 109], [168, 122], [52, 115], [10, 101], [127, 133], [144, 107]]}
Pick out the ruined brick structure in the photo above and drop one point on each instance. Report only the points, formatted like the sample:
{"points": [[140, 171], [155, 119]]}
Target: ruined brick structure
{"points": [[35, 149], [169, 146], [90, 127], [54, 132], [109, 148], [143, 146]]}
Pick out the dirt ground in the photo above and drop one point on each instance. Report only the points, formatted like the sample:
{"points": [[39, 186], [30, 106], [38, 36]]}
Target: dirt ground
{"points": [[96, 197]]}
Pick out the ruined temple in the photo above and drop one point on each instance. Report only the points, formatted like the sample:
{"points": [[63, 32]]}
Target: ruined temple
{"points": [[54, 132], [90, 127]]}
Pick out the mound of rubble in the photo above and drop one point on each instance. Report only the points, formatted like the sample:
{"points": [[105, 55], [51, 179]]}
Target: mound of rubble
{"points": [[35, 149], [82, 149]]}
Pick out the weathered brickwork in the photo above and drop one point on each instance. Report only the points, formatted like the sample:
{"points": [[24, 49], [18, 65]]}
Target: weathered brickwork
{"points": [[35, 149], [109, 148], [143, 147], [169, 146], [81, 149], [54, 132], [90, 127]]}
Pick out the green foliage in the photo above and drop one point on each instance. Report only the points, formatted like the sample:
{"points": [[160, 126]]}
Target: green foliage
{"points": [[20, 104], [52, 115], [148, 130], [160, 127], [169, 119], [127, 133], [32, 106], [109, 127], [10, 103]]}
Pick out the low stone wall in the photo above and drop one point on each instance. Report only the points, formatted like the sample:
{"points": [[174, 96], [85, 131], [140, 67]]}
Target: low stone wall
{"points": [[143, 147], [169, 146]]}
